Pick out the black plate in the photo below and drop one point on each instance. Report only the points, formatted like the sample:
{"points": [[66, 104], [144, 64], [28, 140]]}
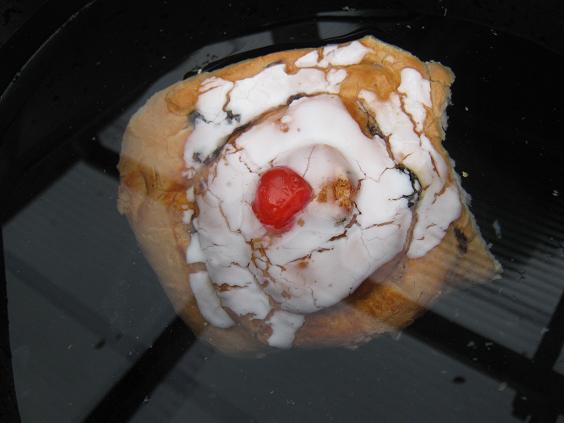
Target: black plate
{"points": [[93, 336]]}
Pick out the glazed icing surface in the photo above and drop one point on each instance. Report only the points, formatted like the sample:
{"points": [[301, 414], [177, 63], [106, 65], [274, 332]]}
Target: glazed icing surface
{"points": [[334, 244]]}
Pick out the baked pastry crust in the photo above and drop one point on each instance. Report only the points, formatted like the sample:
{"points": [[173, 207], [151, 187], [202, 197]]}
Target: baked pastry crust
{"points": [[152, 194]]}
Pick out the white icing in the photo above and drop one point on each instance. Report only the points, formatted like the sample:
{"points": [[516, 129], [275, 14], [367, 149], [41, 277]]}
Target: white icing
{"points": [[284, 326], [334, 55], [208, 302], [247, 300], [211, 83], [437, 207], [190, 194], [311, 266], [232, 275], [316, 120], [335, 77], [221, 245], [194, 253], [243, 295], [417, 95], [272, 87], [320, 141], [212, 99], [247, 99], [187, 216], [286, 119], [308, 60], [343, 56]]}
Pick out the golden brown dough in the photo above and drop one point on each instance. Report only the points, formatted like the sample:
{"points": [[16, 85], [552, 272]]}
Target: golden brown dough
{"points": [[152, 195]]}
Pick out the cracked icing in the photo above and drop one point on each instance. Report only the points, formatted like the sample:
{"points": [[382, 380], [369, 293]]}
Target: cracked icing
{"points": [[415, 94], [194, 253], [322, 261], [283, 325], [208, 302], [400, 119], [361, 215], [334, 55], [224, 106], [335, 267]]}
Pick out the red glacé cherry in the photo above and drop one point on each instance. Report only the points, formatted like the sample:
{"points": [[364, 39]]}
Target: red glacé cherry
{"points": [[281, 194]]}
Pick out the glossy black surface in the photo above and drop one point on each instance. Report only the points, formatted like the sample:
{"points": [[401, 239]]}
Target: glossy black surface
{"points": [[94, 338]]}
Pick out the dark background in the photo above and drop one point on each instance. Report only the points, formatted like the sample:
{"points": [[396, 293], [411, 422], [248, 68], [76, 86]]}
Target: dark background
{"points": [[156, 38]]}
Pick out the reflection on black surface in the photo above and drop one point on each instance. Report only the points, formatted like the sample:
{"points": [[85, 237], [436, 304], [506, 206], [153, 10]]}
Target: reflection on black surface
{"points": [[8, 401], [82, 299]]}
